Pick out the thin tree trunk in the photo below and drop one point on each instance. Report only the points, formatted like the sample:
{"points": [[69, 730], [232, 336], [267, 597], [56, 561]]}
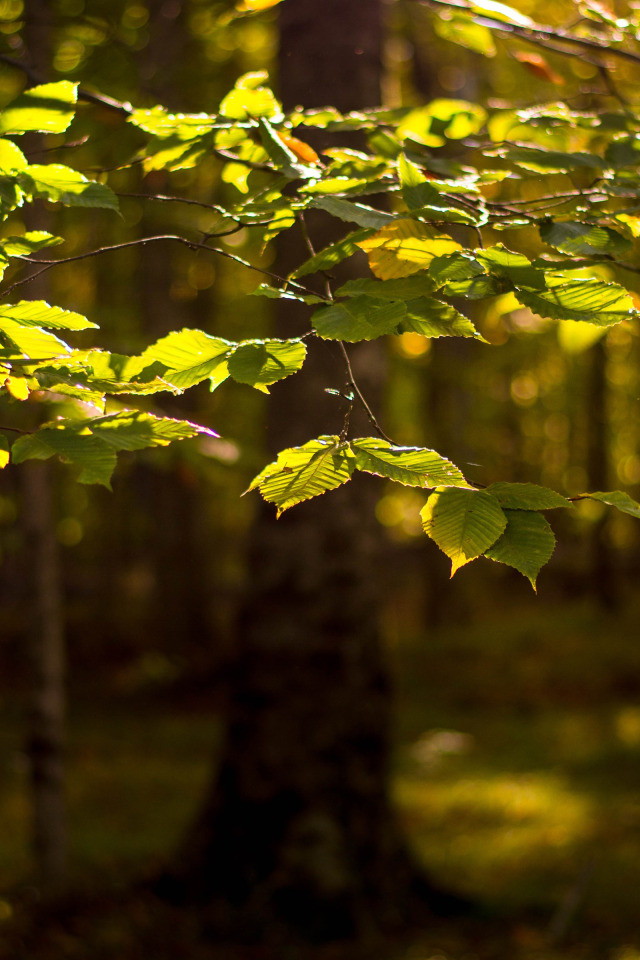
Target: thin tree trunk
{"points": [[298, 830], [45, 739]]}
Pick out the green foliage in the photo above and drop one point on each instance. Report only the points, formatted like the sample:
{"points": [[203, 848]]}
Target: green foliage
{"points": [[426, 247]]}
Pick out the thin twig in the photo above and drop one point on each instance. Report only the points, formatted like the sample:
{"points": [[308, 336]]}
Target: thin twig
{"points": [[192, 244], [356, 389]]}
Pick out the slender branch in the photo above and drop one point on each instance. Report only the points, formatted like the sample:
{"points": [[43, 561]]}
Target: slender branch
{"points": [[356, 389], [192, 244]]}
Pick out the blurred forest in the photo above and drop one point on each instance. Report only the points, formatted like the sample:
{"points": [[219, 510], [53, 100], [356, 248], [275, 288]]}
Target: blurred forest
{"points": [[516, 722]]}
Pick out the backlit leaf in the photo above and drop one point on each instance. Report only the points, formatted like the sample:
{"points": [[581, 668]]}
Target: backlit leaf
{"points": [[300, 473], [413, 466], [53, 181], [527, 543], [38, 313], [433, 318], [405, 247], [616, 498], [352, 212], [463, 522], [187, 357], [584, 239], [333, 254], [5, 456], [47, 108], [361, 318], [593, 301], [263, 362]]}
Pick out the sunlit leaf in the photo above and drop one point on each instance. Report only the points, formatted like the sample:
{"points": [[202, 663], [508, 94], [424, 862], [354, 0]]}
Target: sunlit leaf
{"points": [[38, 313], [463, 522], [352, 212], [466, 33], [5, 455], [433, 318], [333, 254], [593, 301], [526, 545], [616, 498], [18, 387], [187, 357], [300, 473], [29, 243], [47, 108], [95, 458], [405, 247], [412, 466], [584, 239], [263, 362], [53, 181]]}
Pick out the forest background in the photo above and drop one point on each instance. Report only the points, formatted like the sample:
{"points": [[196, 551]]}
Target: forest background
{"points": [[517, 729]]}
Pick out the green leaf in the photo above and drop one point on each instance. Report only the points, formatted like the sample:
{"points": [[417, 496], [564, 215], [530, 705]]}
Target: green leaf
{"points": [[540, 160], [593, 301], [455, 266], [12, 159], [30, 341], [187, 357], [616, 498], [285, 293], [467, 34], [361, 318], [433, 318], [352, 212], [136, 430], [426, 201], [463, 522], [64, 439], [281, 156], [244, 103], [514, 267], [405, 247], [300, 473], [38, 313], [413, 466], [333, 254], [60, 184], [526, 544], [407, 288], [47, 108], [584, 239], [29, 243], [184, 126], [263, 362], [526, 496]]}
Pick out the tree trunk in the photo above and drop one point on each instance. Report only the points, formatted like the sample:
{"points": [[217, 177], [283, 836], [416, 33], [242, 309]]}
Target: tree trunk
{"points": [[298, 827], [46, 734]]}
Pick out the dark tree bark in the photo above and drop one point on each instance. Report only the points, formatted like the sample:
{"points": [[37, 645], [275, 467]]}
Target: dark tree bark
{"points": [[298, 826]]}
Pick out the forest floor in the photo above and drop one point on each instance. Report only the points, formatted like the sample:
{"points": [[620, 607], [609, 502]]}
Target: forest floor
{"points": [[517, 781]]}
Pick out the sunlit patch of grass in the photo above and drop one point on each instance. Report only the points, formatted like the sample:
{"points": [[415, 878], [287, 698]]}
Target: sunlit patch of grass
{"points": [[500, 837]]}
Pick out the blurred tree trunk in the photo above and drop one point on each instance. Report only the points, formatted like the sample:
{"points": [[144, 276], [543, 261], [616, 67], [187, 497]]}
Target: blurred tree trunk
{"points": [[298, 827], [602, 572], [46, 734]]}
